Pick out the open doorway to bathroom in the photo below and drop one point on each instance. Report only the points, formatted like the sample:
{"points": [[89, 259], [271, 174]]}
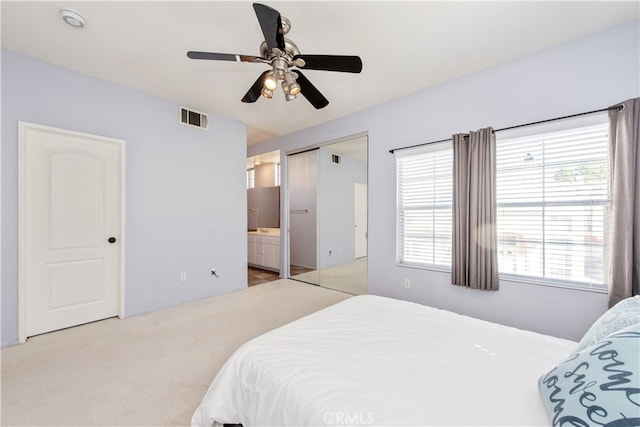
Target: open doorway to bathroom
{"points": [[263, 218]]}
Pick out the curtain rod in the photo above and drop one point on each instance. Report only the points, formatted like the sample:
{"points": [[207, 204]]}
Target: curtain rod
{"points": [[615, 107]]}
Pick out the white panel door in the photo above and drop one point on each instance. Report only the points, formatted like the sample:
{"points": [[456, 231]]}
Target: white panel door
{"points": [[360, 219], [70, 243]]}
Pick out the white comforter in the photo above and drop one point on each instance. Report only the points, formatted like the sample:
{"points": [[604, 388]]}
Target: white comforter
{"points": [[371, 360]]}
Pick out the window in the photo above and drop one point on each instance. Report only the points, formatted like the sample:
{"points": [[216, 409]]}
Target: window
{"points": [[553, 205], [424, 180], [251, 178]]}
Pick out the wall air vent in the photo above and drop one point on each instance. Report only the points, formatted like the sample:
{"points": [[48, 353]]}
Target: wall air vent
{"points": [[335, 158], [194, 118]]}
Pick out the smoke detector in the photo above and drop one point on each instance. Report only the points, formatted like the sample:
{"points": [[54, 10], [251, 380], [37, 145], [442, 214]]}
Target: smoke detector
{"points": [[73, 17]]}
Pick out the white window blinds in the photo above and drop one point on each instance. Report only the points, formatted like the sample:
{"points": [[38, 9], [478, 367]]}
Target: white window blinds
{"points": [[553, 206], [424, 181]]}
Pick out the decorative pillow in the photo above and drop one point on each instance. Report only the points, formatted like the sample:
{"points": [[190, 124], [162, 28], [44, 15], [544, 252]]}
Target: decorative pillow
{"points": [[623, 314], [599, 385]]}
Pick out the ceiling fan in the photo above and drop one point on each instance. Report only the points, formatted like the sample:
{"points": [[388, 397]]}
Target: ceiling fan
{"points": [[283, 55]]}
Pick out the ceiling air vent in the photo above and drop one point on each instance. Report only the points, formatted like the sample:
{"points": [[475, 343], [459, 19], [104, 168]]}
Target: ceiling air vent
{"points": [[194, 118], [335, 158]]}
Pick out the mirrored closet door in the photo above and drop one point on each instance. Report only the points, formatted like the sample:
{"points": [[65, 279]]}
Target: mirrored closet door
{"points": [[303, 216], [328, 216]]}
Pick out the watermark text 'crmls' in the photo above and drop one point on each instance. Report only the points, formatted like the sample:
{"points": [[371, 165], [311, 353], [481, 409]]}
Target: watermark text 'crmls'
{"points": [[342, 418]]}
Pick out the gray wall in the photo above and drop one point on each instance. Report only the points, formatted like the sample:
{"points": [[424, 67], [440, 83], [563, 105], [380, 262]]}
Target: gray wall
{"points": [[185, 187], [336, 207], [583, 75]]}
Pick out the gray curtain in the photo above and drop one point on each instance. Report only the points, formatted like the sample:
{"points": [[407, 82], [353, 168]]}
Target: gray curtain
{"points": [[624, 157], [474, 260]]}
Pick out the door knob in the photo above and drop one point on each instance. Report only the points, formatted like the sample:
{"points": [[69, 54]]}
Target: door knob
{"points": [[111, 240]]}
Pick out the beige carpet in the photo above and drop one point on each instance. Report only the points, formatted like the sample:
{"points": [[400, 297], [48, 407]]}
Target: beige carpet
{"points": [[350, 277], [148, 370]]}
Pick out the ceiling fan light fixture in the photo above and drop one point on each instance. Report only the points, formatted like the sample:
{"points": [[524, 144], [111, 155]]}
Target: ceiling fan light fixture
{"points": [[270, 82], [267, 93], [287, 93], [293, 87]]}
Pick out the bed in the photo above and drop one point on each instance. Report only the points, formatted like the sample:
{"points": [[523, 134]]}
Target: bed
{"points": [[371, 360]]}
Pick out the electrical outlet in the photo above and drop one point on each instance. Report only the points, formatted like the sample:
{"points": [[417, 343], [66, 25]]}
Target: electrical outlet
{"points": [[183, 276], [407, 283]]}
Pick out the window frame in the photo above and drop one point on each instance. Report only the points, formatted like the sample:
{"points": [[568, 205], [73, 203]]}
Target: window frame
{"points": [[431, 148], [545, 128]]}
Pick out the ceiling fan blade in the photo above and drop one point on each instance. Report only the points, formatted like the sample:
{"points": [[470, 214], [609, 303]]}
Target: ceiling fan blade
{"points": [[253, 94], [310, 92], [343, 63], [271, 24], [224, 57]]}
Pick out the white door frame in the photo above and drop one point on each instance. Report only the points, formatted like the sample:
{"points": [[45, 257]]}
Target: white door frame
{"points": [[22, 173]]}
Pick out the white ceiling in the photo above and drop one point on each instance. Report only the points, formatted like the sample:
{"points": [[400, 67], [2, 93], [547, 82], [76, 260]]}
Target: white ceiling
{"points": [[404, 46]]}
